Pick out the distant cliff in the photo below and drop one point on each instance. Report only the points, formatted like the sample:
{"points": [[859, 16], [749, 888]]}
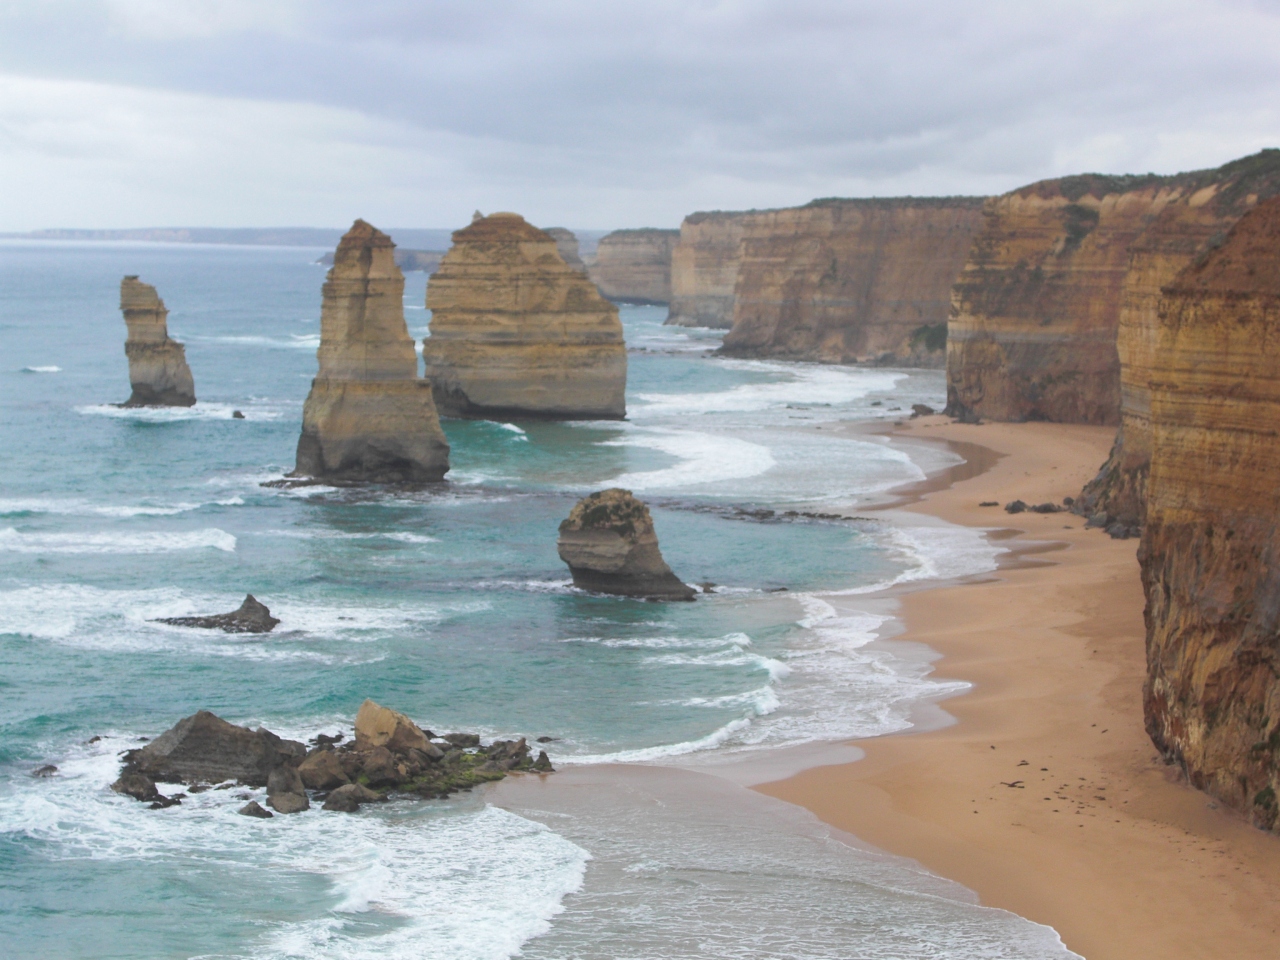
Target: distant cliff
{"points": [[1210, 551], [844, 281], [704, 270], [634, 266], [1208, 204]]}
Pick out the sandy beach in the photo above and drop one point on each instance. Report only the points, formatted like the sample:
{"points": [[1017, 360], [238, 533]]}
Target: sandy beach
{"points": [[1046, 797]]}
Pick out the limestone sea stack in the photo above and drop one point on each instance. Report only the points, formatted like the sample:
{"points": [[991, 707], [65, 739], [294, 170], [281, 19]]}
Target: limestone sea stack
{"points": [[610, 545], [158, 370], [516, 332], [369, 417], [634, 266], [567, 244], [1210, 551]]}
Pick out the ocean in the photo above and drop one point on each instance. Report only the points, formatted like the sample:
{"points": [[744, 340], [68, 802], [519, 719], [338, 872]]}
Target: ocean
{"points": [[449, 604]]}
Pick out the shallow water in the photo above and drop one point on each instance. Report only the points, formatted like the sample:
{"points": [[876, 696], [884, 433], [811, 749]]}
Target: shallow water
{"points": [[449, 604]]}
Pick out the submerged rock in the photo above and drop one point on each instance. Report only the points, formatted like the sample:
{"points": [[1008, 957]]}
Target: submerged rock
{"points": [[255, 809], [348, 798], [158, 370], [369, 417], [251, 617], [609, 543]]}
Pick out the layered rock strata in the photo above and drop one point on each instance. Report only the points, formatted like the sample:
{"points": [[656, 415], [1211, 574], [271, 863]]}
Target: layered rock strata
{"points": [[158, 370], [847, 281], [516, 332], [1209, 203], [369, 417], [704, 270], [634, 266], [567, 244], [1210, 551], [610, 545]]}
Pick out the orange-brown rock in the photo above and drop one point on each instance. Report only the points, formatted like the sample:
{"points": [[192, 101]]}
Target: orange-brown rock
{"points": [[1210, 551], [369, 416], [634, 266], [1208, 205], [158, 370], [704, 270], [842, 281], [516, 332]]}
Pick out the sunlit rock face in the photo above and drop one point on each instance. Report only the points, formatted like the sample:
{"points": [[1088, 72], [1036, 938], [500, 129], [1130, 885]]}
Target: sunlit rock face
{"points": [[516, 332], [158, 371], [1210, 550], [704, 270], [634, 266], [850, 281], [1209, 204], [369, 416]]}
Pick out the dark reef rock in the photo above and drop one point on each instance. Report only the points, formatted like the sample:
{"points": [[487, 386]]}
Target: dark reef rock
{"points": [[204, 748], [252, 617], [255, 809], [610, 546]]}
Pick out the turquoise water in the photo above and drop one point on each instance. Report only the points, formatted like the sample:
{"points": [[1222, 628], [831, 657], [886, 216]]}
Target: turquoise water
{"points": [[449, 604]]}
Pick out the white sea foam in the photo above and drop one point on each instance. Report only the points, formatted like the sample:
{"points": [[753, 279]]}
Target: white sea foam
{"points": [[801, 384], [48, 369], [319, 533], [405, 880], [201, 411], [74, 506], [13, 541], [704, 458], [519, 433]]}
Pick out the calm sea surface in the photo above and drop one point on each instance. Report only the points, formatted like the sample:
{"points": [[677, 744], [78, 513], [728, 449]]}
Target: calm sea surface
{"points": [[451, 605]]}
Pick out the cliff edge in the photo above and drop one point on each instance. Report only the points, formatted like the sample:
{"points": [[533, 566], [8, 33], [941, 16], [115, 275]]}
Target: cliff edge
{"points": [[158, 371]]}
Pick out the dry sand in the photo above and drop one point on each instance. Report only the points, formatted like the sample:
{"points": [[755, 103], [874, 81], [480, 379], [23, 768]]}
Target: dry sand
{"points": [[1046, 797]]}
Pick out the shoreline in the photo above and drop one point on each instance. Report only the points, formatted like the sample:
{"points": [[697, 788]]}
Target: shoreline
{"points": [[1122, 858]]}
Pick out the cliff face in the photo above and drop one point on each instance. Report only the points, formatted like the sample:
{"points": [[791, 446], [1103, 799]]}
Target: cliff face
{"points": [[517, 332], [1210, 552], [704, 270], [1207, 206], [567, 244], [158, 370], [368, 417], [634, 266], [842, 281]]}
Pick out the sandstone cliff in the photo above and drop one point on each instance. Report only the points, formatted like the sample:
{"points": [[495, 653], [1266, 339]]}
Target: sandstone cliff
{"points": [[843, 281], [1208, 204], [610, 545], [634, 266], [704, 270], [1210, 552], [368, 417], [516, 332], [158, 370], [567, 244]]}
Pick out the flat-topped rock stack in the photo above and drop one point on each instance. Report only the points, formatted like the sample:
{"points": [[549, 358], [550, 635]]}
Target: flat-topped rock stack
{"points": [[516, 332], [369, 416], [158, 370]]}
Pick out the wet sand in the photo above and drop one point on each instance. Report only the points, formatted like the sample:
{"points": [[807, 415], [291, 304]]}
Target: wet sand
{"points": [[1046, 797]]}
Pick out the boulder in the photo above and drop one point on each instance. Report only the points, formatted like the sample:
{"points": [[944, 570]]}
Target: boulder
{"points": [[322, 770], [1016, 506], [347, 798], [610, 545], [136, 785], [543, 763], [255, 809], [48, 770], [158, 370], [284, 779], [378, 726], [289, 802], [251, 617], [204, 748]]}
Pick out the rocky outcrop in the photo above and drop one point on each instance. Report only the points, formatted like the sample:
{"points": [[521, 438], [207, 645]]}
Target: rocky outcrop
{"points": [[567, 244], [369, 417], [390, 754], [845, 281], [516, 332], [704, 270], [609, 543], [1210, 551], [1208, 205], [158, 370], [252, 616], [634, 266]]}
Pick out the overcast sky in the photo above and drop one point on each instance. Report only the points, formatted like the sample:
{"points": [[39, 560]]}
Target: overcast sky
{"points": [[602, 113]]}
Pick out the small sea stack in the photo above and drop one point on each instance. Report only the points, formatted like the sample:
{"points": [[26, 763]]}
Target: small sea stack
{"points": [[253, 616], [519, 333], [158, 370], [369, 417], [610, 545]]}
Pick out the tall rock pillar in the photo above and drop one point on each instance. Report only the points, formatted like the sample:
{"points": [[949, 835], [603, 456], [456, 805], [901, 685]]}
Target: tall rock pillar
{"points": [[158, 370]]}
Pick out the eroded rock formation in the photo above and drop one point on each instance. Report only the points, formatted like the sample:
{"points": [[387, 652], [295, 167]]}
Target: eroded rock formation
{"points": [[1208, 205], [842, 281], [704, 270], [253, 616], [634, 266], [369, 416], [158, 370], [610, 545], [1210, 551], [516, 332], [567, 244]]}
